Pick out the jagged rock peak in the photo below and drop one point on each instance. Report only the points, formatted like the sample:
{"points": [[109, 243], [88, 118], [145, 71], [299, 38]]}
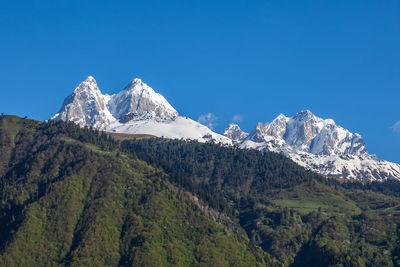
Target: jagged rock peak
{"points": [[305, 112], [86, 106], [306, 132], [137, 109], [136, 81], [320, 145], [303, 115], [139, 100], [89, 84], [234, 132], [281, 117], [90, 79]]}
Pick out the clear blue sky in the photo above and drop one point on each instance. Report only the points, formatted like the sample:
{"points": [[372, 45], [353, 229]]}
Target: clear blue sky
{"points": [[256, 59]]}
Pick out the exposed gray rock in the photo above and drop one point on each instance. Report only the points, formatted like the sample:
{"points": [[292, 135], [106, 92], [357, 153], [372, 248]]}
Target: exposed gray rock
{"points": [[234, 132]]}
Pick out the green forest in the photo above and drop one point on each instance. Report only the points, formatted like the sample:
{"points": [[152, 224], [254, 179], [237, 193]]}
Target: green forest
{"points": [[72, 196]]}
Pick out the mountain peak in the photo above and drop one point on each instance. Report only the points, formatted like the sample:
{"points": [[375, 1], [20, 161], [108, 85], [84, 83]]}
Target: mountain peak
{"points": [[135, 83], [90, 79], [89, 85], [137, 109], [234, 133], [138, 100], [281, 116], [305, 112], [232, 125], [86, 106], [303, 115], [307, 133], [321, 145], [137, 80]]}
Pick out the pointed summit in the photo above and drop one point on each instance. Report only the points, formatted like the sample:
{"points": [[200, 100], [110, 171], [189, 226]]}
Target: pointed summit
{"points": [[234, 132], [309, 133], [90, 79], [136, 81], [86, 106], [88, 85], [303, 115], [137, 109], [139, 100]]}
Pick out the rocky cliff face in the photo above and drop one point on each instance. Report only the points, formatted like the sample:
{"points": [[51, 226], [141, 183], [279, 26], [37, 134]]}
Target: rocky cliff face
{"points": [[86, 106]]}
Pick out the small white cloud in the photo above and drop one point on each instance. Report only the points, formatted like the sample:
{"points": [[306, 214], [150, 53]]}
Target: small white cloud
{"points": [[396, 127], [208, 120], [237, 118]]}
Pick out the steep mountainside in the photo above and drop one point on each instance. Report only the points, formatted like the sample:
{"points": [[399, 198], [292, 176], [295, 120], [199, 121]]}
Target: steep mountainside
{"points": [[298, 217], [137, 109], [318, 144], [71, 196]]}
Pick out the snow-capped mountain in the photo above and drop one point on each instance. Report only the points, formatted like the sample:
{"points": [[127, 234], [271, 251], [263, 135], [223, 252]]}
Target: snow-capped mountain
{"points": [[139, 99], [86, 106], [317, 144], [234, 132], [137, 109], [308, 133]]}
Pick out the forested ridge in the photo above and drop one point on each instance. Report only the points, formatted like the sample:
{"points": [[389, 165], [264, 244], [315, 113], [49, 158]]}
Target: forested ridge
{"points": [[73, 196]]}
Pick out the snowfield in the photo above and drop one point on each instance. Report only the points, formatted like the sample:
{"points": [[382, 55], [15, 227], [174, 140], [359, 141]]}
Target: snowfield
{"points": [[176, 128]]}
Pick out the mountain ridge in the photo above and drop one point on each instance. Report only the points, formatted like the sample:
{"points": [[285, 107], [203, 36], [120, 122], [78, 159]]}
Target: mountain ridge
{"points": [[315, 143], [320, 145], [137, 109]]}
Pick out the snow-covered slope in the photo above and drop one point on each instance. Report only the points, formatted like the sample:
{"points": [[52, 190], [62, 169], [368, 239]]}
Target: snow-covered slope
{"points": [[178, 127], [137, 109], [320, 145]]}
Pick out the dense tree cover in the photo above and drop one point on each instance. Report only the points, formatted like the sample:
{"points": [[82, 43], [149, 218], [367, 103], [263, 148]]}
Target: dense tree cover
{"points": [[299, 217], [238, 173], [75, 196], [65, 202]]}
